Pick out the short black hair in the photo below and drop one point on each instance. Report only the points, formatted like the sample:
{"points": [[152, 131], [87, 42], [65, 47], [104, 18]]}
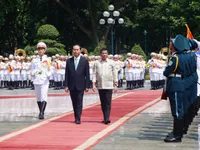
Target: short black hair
{"points": [[76, 45], [103, 49]]}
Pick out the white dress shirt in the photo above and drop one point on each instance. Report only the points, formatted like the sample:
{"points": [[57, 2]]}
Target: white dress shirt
{"points": [[104, 73]]}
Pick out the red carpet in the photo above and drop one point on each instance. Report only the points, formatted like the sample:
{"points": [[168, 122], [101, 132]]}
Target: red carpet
{"points": [[63, 134]]}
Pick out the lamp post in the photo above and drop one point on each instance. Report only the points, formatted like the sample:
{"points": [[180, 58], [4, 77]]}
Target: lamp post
{"points": [[111, 17], [145, 41]]}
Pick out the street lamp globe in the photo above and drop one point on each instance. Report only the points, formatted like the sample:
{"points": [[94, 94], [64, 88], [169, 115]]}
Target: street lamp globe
{"points": [[145, 32], [102, 21], [106, 14], [110, 20], [120, 20], [111, 7], [116, 13]]}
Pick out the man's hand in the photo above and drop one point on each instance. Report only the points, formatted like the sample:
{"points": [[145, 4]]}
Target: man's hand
{"points": [[66, 90], [115, 89], [86, 90]]}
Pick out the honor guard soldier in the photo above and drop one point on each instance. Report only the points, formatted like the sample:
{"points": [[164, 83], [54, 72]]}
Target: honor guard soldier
{"points": [[198, 72], [41, 71], [32, 85], [91, 63], [178, 71], [28, 71], [128, 70], [5, 73], [57, 66], [62, 68], [23, 75], [121, 73], [117, 66], [2, 64], [142, 71], [11, 75], [17, 70], [52, 77], [191, 86], [151, 63]]}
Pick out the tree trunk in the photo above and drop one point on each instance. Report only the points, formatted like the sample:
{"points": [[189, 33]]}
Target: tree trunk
{"points": [[94, 25], [75, 18]]}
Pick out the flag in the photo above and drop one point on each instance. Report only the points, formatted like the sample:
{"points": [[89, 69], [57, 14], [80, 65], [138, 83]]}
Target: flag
{"points": [[189, 33]]}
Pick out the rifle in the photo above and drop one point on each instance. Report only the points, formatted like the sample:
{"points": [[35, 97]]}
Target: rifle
{"points": [[164, 92]]}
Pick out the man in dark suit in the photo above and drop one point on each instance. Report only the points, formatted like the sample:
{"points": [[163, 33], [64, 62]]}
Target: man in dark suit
{"points": [[77, 79]]}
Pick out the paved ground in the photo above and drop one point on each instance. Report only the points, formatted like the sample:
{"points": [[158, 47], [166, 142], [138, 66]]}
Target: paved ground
{"points": [[145, 131]]}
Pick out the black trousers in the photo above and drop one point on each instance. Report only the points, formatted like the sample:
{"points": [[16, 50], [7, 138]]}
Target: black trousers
{"points": [[77, 102], [105, 98]]}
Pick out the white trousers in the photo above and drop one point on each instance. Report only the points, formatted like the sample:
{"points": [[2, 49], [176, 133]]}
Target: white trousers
{"points": [[129, 76], [23, 77], [62, 77], [1, 77], [58, 77], [11, 77], [41, 91], [17, 77]]}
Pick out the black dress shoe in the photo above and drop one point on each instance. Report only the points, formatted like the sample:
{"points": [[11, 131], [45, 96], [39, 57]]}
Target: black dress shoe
{"points": [[171, 134], [105, 121], [173, 139], [77, 122], [41, 115]]}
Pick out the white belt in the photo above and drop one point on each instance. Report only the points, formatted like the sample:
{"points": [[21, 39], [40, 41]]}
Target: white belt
{"points": [[175, 75]]}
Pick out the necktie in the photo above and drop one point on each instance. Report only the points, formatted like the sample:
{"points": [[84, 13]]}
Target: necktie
{"points": [[40, 58], [76, 63]]}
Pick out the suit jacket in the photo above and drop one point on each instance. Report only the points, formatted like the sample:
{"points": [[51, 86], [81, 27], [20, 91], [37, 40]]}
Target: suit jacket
{"points": [[77, 79]]}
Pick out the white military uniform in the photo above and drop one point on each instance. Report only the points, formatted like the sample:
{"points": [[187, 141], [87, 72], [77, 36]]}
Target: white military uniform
{"points": [[62, 67], [2, 65], [58, 71], [28, 73], [41, 71]]}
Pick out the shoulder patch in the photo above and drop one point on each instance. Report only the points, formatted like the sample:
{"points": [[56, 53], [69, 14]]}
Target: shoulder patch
{"points": [[170, 63]]}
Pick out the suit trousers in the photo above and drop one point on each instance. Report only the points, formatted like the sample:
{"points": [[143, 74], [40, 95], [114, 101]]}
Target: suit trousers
{"points": [[77, 102], [105, 98]]}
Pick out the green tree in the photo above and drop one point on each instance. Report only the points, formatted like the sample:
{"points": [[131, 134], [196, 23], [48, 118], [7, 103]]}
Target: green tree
{"points": [[49, 34], [87, 14], [19, 21], [136, 49], [29, 50]]}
